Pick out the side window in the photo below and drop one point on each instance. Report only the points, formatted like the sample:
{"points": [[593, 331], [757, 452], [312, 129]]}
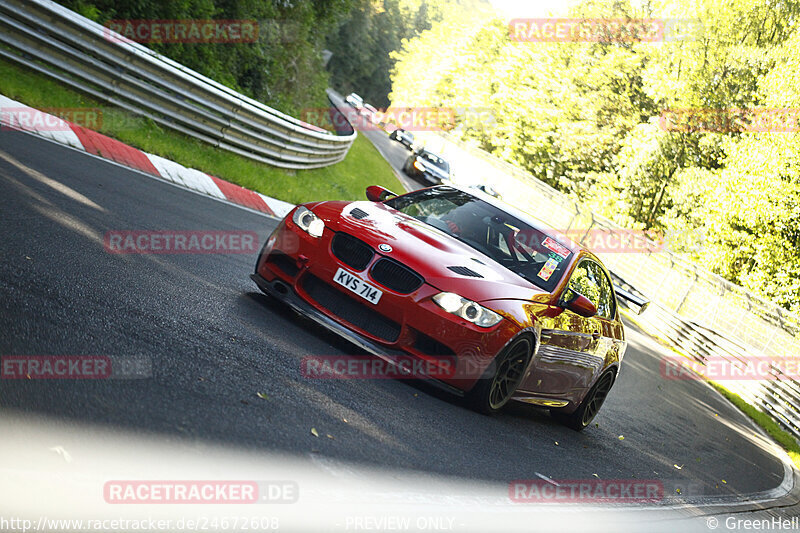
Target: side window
{"points": [[583, 282], [590, 280], [607, 308]]}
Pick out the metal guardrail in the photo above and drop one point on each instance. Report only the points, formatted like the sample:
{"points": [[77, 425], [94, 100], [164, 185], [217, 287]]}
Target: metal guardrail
{"points": [[74, 50], [777, 395], [705, 315]]}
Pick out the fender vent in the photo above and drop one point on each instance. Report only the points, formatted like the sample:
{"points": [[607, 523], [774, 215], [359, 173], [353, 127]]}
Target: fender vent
{"points": [[464, 271], [358, 213]]}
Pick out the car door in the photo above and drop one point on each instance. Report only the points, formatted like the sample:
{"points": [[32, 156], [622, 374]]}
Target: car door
{"points": [[572, 351], [611, 345]]}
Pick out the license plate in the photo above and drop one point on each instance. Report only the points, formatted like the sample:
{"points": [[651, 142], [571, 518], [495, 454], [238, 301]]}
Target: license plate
{"points": [[355, 285]]}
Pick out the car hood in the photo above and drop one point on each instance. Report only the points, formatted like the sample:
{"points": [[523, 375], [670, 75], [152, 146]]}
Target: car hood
{"points": [[429, 252]]}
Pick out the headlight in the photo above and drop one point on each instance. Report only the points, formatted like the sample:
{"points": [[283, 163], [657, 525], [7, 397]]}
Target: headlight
{"points": [[419, 166], [308, 222], [467, 309]]}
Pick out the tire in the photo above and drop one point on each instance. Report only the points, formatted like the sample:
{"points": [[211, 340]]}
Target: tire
{"points": [[590, 405], [501, 378]]}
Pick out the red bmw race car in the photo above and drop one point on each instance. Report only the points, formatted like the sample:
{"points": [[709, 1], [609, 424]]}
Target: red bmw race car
{"points": [[505, 308]]}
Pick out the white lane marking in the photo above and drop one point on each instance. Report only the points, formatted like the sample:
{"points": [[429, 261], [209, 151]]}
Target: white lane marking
{"points": [[542, 476], [53, 184]]}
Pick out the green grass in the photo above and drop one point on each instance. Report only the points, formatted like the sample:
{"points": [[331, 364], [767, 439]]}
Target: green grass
{"points": [[785, 439], [346, 180]]}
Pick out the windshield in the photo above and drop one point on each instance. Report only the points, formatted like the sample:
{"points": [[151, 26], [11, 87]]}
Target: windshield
{"points": [[513, 243], [435, 160]]}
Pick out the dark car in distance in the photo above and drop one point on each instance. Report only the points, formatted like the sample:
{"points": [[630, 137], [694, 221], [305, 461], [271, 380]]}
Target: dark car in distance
{"points": [[403, 137], [428, 167]]}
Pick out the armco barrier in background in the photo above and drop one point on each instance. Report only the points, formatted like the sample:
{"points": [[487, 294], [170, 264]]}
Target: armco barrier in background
{"points": [[65, 46]]}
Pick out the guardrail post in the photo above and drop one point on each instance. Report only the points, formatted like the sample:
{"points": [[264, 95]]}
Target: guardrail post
{"points": [[686, 293]]}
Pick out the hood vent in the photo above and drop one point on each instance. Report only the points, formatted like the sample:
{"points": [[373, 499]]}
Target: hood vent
{"points": [[358, 213], [464, 271]]}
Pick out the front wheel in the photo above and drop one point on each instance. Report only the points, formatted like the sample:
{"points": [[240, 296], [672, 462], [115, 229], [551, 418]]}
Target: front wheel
{"points": [[501, 378], [590, 405]]}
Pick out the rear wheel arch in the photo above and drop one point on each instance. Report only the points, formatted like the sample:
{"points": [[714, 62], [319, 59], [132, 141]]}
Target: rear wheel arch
{"points": [[591, 403]]}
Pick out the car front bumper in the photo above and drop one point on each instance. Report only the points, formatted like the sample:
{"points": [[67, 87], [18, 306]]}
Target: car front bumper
{"points": [[297, 276]]}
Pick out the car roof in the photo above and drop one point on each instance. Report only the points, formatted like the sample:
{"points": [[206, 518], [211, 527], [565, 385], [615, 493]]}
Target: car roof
{"points": [[433, 154]]}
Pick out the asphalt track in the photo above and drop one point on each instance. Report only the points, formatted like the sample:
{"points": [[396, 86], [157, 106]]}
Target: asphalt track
{"points": [[214, 342]]}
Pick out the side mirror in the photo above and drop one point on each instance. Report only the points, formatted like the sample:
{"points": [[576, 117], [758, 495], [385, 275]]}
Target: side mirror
{"points": [[582, 306], [376, 193], [578, 303]]}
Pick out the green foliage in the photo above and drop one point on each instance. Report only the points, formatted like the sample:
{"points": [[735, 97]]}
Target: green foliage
{"points": [[363, 43], [587, 118], [283, 68]]}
